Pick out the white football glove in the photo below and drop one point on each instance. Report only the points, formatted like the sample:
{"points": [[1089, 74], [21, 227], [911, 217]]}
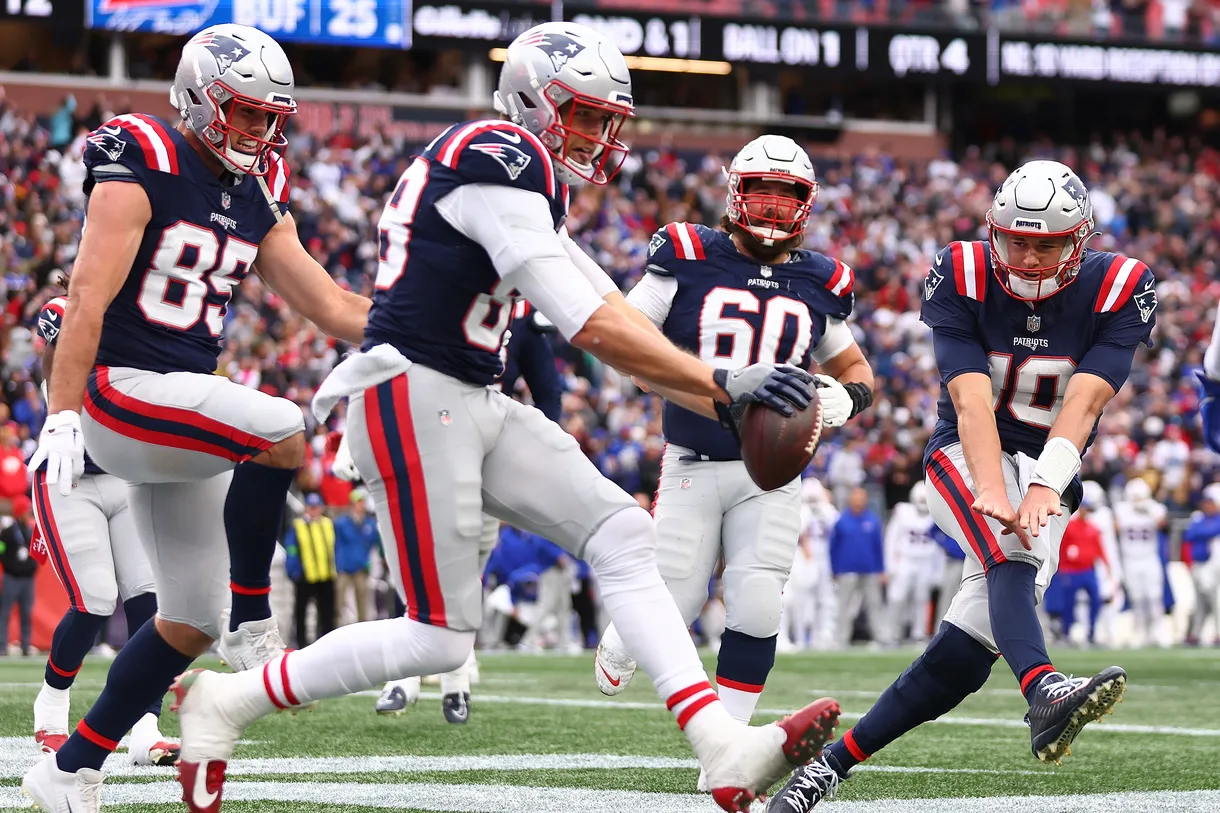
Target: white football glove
{"points": [[61, 445], [343, 466], [835, 399]]}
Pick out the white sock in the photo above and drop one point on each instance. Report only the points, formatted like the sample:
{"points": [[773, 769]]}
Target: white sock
{"points": [[612, 641], [649, 626], [50, 694], [739, 700], [1211, 356], [354, 658]]}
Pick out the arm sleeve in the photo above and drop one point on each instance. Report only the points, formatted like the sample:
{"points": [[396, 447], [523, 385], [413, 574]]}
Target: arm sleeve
{"points": [[594, 273], [957, 352], [514, 227], [835, 339], [653, 296]]}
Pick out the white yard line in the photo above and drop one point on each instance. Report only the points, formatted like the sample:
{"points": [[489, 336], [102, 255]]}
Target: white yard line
{"points": [[498, 798], [1000, 722]]}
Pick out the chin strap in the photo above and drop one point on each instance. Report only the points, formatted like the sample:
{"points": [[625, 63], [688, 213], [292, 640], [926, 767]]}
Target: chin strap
{"points": [[861, 397]]}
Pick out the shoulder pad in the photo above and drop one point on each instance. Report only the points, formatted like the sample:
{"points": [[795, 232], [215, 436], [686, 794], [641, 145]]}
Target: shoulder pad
{"points": [[51, 319], [1122, 276], [499, 152], [136, 141]]}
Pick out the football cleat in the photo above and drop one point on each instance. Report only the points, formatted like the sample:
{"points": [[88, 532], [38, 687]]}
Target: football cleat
{"points": [[146, 746], [612, 671], [456, 707], [807, 786], [57, 791], [208, 737], [253, 644], [754, 758], [397, 695], [1063, 705], [51, 719]]}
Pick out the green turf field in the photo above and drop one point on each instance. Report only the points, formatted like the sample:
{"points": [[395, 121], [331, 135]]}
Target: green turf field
{"points": [[541, 738]]}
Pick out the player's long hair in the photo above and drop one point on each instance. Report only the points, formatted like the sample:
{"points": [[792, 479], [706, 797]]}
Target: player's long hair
{"points": [[755, 247]]}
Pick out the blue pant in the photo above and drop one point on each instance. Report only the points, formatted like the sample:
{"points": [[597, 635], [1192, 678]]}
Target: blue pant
{"points": [[1069, 584]]}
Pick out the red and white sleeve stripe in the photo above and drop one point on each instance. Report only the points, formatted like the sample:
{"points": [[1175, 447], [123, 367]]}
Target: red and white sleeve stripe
{"points": [[1120, 282], [277, 177], [970, 269], [687, 245], [159, 150], [842, 280]]}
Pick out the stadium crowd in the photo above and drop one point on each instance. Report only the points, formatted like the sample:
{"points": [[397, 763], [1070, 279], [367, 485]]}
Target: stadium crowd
{"points": [[1155, 197]]}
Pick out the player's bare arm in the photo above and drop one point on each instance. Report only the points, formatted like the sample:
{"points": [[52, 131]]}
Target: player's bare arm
{"points": [[971, 394], [1085, 398], [285, 265], [116, 218]]}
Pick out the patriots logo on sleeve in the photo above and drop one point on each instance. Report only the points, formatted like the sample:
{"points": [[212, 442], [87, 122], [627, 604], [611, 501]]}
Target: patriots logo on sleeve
{"points": [[558, 47], [934, 279], [1145, 300], [107, 140], [655, 244], [50, 321], [512, 159]]}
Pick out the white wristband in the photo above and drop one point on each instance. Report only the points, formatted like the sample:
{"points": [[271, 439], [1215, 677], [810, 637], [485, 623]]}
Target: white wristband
{"points": [[1057, 465]]}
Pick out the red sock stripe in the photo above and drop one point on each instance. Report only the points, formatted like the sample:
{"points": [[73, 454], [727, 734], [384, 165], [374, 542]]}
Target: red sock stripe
{"points": [[741, 687], [271, 689], [694, 708], [61, 672], [686, 694], [249, 591], [288, 693], [849, 739], [1034, 674], [97, 739]]}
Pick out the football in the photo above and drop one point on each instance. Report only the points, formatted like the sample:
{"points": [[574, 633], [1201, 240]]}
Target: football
{"points": [[777, 449]]}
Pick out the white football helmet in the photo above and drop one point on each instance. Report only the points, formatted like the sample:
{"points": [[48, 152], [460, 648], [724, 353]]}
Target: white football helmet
{"points": [[1040, 199], [919, 497], [1137, 490], [813, 492], [553, 64], [1094, 495], [231, 64], [771, 158]]}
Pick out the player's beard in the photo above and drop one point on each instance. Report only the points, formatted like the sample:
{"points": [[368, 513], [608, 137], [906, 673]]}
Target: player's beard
{"points": [[755, 247]]}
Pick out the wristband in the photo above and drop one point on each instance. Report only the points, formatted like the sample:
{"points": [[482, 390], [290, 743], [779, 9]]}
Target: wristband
{"points": [[1057, 465], [861, 397]]}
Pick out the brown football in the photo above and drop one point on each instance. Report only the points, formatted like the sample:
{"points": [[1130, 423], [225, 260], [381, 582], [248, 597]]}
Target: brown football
{"points": [[776, 449]]}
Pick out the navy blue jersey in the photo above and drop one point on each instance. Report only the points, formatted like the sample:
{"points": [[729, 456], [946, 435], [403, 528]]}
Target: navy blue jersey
{"points": [[529, 355], [50, 320], [733, 311], [1093, 325], [439, 299], [200, 243]]}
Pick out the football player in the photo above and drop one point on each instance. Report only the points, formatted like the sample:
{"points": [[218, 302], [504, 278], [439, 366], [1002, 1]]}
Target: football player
{"points": [[475, 219], [914, 564], [1209, 390], [1139, 519], [744, 294], [815, 609], [1110, 575], [177, 215], [1034, 334], [92, 546]]}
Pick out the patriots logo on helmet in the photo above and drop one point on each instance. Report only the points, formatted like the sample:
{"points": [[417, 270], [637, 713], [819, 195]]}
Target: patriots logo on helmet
{"points": [[226, 49], [559, 47], [512, 159], [1075, 188], [1145, 300], [107, 140]]}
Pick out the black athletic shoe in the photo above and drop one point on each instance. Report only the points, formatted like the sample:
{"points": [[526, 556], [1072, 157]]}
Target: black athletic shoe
{"points": [[807, 786], [1063, 705], [456, 707]]}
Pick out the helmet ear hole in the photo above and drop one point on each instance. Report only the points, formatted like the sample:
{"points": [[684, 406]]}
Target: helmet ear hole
{"points": [[526, 102]]}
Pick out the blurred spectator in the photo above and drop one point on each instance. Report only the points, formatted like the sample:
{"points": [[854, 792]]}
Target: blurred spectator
{"points": [[857, 558], [356, 537], [17, 587], [310, 545]]}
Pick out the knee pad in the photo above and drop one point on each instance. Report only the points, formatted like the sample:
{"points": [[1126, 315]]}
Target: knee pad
{"points": [[624, 544], [752, 600]]}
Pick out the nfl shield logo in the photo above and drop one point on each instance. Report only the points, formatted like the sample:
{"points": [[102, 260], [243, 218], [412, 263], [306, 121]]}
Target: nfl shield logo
{"points": [[225, 200], [445, 419], [685, 482], [765, 271], [1033, 323]]}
